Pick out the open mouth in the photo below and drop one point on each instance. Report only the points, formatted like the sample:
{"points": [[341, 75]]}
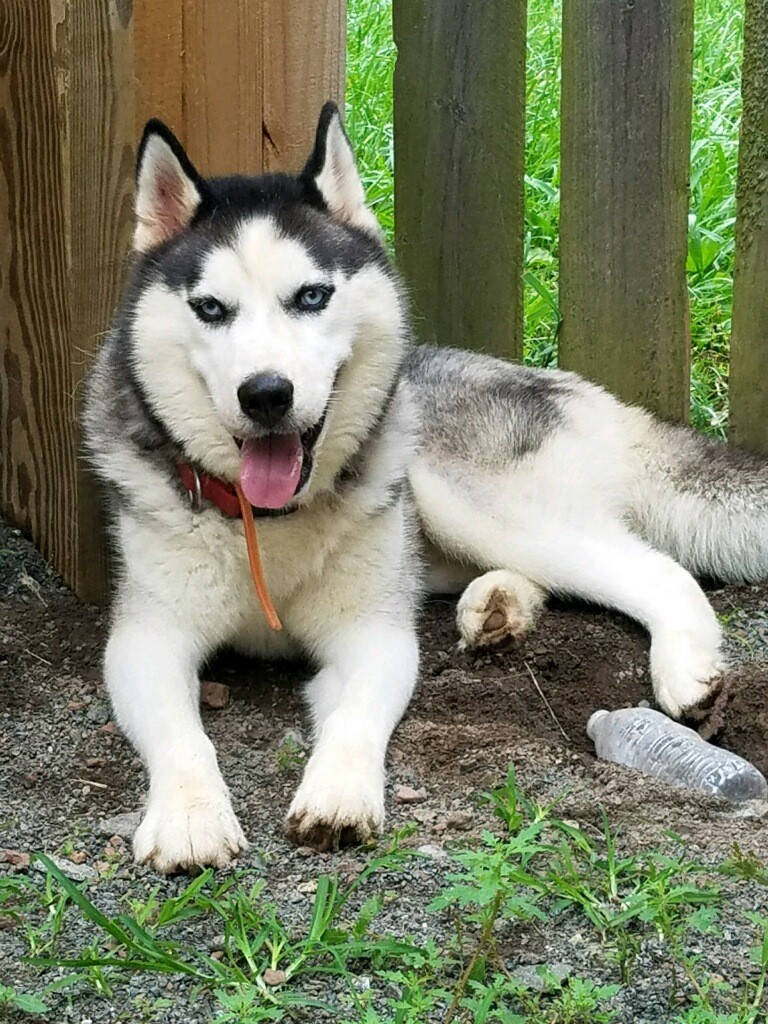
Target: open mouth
{"points": [[274, 468]]}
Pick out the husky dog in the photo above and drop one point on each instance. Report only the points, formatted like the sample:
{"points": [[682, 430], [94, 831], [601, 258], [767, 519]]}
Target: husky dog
{"points": [[264, 339]]}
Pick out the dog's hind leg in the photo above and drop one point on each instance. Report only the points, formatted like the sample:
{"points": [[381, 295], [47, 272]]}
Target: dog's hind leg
{"points": [[150, 669], [599, 561], [496, 606]]}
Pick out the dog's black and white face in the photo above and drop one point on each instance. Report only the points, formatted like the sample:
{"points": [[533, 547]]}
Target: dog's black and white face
{"points": [[261, 299]]}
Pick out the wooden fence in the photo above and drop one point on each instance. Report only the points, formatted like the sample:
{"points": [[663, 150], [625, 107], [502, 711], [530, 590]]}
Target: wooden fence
{"points": [[626, 134], [241, 81]]}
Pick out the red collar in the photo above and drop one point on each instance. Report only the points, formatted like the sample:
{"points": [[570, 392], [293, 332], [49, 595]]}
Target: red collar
{"points": [[200, 485]]}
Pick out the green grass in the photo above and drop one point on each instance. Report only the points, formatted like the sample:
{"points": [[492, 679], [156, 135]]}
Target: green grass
{"points": [[531, 869], [717, 109]]}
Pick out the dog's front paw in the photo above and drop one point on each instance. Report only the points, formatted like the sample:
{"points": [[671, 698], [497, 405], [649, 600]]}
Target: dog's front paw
{"points": [[187, 825], [496, 606], [339, 803], [686, 671]]}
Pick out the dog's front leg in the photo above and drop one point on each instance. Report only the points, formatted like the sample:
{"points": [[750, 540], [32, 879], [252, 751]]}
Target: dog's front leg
{"points": [[356, 699], [151, 668]]}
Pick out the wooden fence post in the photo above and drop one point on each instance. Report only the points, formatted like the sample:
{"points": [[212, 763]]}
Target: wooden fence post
{"points": [[238, 81], [459, 150], [66, 168], [241, 84], [626, 130], [748, 390]]}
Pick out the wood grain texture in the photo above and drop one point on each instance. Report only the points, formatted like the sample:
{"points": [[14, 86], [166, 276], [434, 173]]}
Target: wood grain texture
{"points": [[223, 84], [749, 340], [66, 127], [158, 37], [626, 126], [242, 82], [304, 59], [459, 150]]}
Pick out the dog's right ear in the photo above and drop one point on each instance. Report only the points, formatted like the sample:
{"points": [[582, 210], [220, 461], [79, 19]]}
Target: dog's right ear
{"points": [[168, 188]]}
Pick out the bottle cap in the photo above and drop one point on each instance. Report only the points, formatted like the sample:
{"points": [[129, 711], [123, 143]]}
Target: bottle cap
{"points": [[593, 720]]}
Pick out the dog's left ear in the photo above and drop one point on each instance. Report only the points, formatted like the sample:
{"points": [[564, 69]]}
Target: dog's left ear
{"points": [[332, 170], [168, 188]]}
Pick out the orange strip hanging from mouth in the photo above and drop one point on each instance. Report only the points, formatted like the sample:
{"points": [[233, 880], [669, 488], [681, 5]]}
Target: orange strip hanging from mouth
{"points": [[252, 544]]}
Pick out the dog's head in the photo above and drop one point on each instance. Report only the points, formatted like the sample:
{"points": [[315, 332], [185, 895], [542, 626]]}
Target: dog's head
{"points": [[265, 307]]}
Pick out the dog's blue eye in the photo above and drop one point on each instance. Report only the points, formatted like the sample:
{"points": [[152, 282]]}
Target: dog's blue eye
{"points": [[209, 310], [313, 298]]}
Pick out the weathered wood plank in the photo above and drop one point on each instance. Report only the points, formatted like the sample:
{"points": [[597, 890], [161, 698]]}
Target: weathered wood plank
{"points": [[223, 84], [459, 150], [240, 86], [748, 390], [304, 59], [626, 127], [158, 35], [66, 129]]}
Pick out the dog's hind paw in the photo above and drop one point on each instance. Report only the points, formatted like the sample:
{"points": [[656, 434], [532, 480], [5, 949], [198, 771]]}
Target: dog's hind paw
{"points": [[188, 827], [686, 672], [336, 805], [496, 606]]}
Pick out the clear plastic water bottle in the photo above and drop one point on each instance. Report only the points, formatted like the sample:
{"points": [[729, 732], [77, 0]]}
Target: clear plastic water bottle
{"points": [[649, 741]]}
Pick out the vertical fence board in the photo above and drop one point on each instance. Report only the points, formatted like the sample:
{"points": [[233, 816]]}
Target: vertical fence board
{"points": [[459, 150], [304, 61], [223, 84], [626, 128], [66, 124], [158, 34], [748, 390]]}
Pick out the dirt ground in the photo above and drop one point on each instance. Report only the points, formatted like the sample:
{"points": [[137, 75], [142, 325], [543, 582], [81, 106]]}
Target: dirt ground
{"points": [[64, 768]]}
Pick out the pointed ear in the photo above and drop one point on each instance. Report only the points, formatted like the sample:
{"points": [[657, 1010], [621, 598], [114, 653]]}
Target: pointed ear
{"points": [[332, 170], [168, 188]]}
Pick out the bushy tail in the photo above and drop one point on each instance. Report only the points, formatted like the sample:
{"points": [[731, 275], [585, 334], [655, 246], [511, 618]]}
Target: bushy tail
{"points": [[703, 502]]}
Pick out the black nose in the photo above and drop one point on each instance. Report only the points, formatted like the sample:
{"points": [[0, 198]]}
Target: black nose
{"points": [[265, 398]]}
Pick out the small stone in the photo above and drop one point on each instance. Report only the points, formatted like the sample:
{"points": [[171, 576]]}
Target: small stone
{"points": [[214, 695], [110, 729], [15, 858], [531, 977], [95, 762], [98, 714], [77, 872], [273, 977], [123, 825], [78, 857], [433, 851], [408, 795], [459, 820], [217, 954], [424, 814], [306, 851], [310, 886], [76, 705]]}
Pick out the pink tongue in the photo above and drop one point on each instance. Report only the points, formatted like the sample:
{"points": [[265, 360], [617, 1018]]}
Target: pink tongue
{"points": [[270, 468]]}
